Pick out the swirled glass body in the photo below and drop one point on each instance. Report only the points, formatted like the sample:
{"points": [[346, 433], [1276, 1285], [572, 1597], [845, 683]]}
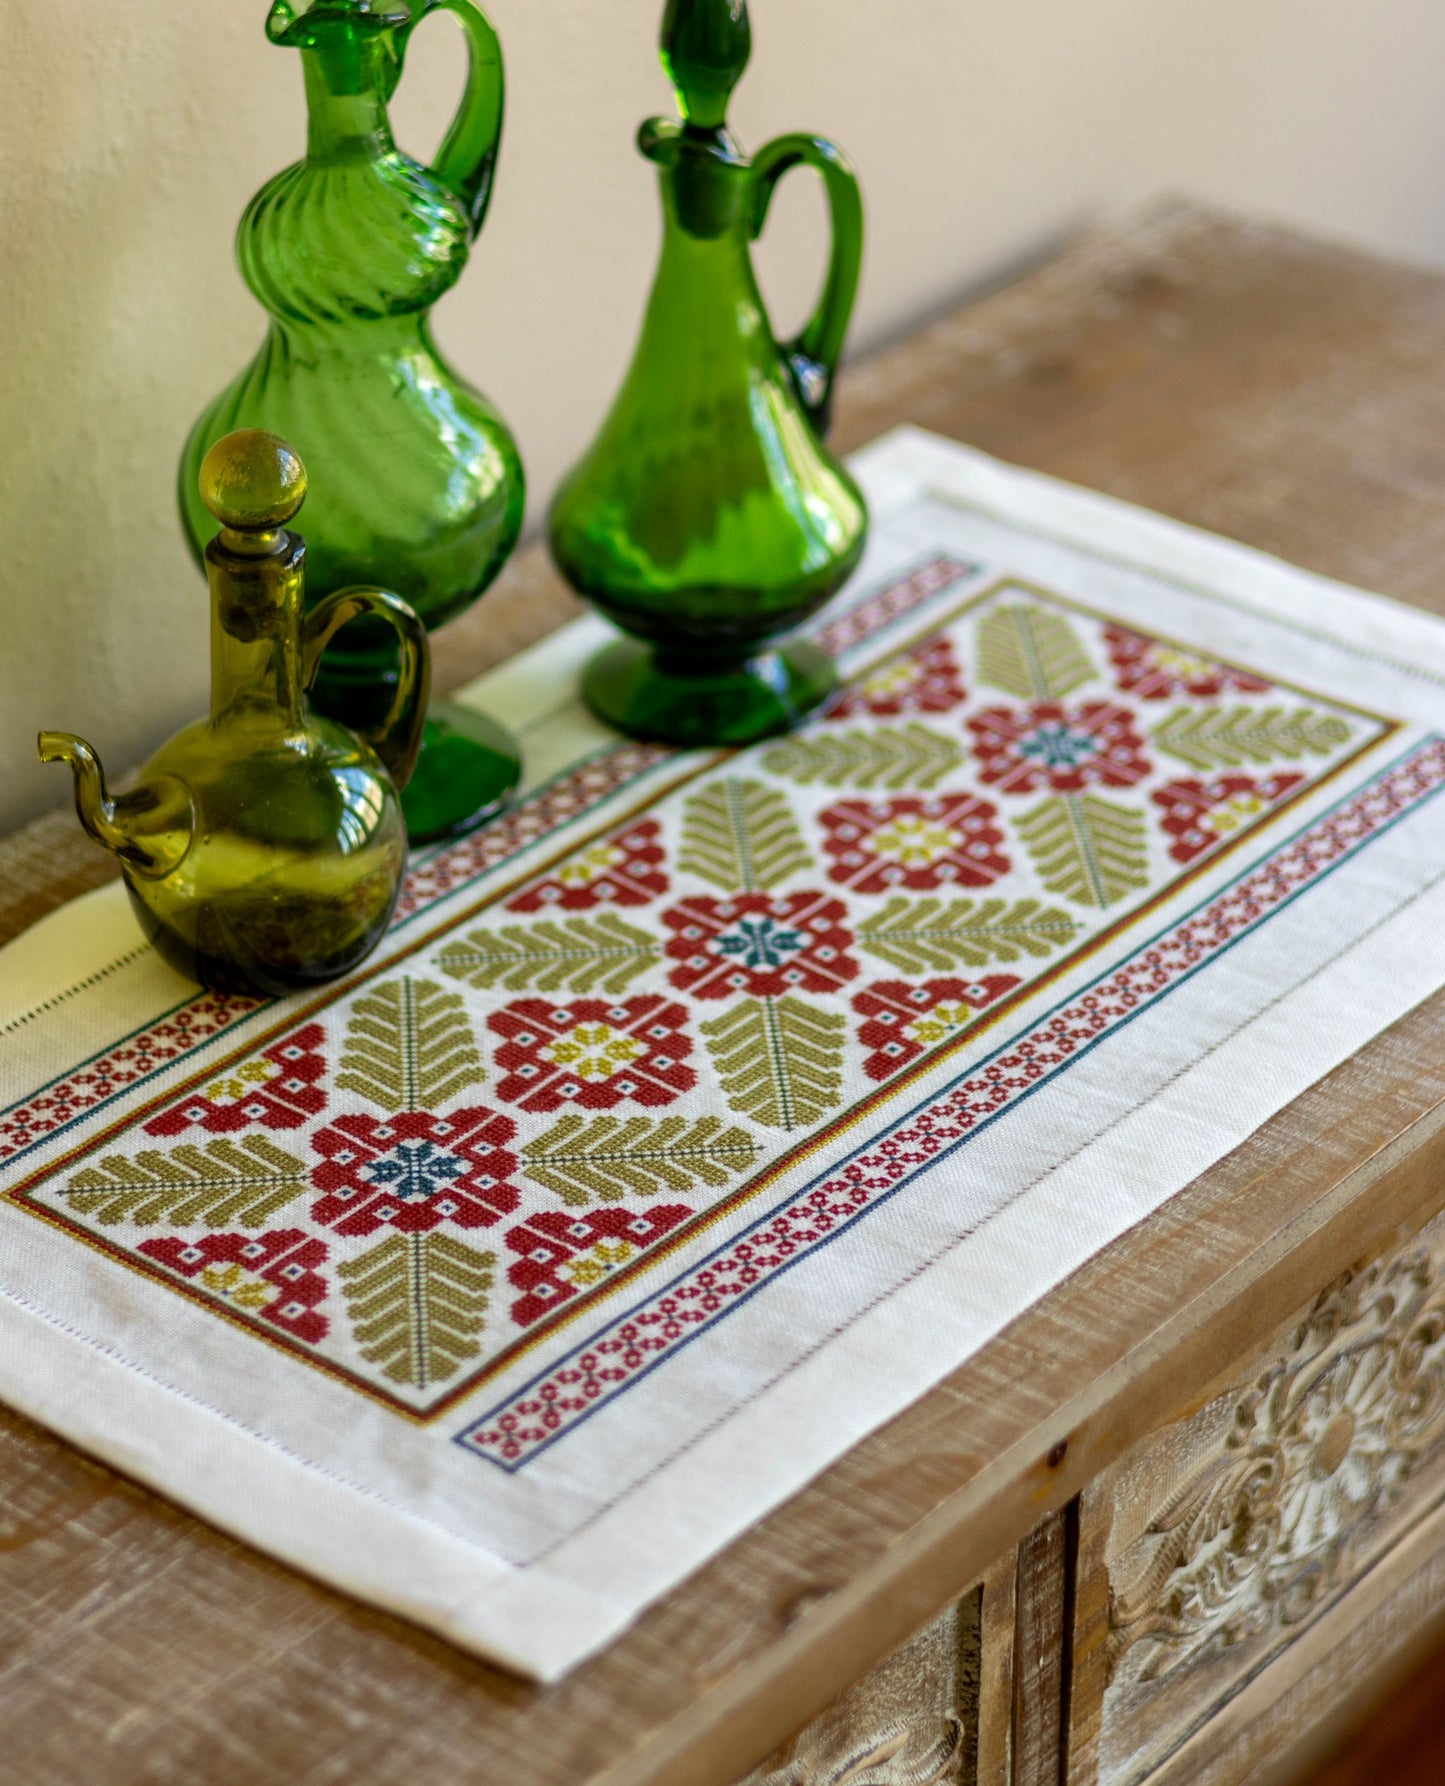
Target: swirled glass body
{"points": [[416, 483]]}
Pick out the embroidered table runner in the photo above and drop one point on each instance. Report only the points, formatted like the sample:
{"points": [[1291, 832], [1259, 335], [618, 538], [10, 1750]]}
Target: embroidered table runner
{"points": [[706, 1109]]}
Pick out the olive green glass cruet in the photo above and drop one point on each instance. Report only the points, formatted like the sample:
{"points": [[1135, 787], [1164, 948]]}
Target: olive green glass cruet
{"points": [[418, 484], [708, 518], [263, 847]]}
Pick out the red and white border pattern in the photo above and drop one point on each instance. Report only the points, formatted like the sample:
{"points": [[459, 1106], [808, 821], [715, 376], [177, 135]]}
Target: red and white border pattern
{"points": [[875, 612], [118, 1069], [572, 796], [632, 1344]]}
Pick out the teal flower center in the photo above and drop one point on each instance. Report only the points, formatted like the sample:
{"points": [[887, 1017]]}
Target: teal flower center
{"points": [[416, 1169], [1058, 746], [757, 943]]}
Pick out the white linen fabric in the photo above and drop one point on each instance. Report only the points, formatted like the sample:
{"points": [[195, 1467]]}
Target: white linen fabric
{"points": [[707, 1109]]}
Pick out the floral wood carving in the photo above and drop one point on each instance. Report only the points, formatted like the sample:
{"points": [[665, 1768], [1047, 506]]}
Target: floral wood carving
{"points": [[1321, 1445], [911, 1722]]}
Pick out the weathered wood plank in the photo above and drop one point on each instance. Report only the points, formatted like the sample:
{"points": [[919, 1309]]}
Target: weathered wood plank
{"points": [[1089, 1637], [999, 1612], [1040, 1653], [1392, 1729]]}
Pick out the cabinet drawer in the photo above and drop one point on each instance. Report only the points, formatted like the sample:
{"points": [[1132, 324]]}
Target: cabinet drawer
{"points": [[1280, 1500], [937, 1712]]}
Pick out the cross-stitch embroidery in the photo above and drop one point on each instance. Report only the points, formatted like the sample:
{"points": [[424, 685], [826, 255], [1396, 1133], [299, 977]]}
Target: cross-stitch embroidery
{"points": [[443, 1165]]}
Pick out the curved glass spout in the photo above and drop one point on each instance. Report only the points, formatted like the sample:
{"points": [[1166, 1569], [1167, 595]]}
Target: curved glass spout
{"points": [[303, 23], [149, 828]]}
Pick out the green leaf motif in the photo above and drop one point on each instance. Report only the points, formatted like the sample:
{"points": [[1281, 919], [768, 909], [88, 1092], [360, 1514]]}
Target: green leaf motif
{"points": [[1087, 849], [555, 955], [222, 1183], [741, 836], [409, 1046], [920, 936], [608, 1158], [1228, 737], [780, 1060], [1031, 653], [901, 758], [418, 1304]]}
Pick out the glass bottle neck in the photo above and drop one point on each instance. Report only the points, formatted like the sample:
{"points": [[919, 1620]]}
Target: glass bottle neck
{"points": [[704, 179], [705, 270], [256, 651], [345, 102]]}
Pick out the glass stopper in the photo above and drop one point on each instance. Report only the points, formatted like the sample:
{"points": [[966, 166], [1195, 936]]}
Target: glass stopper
{"points": [[705, 48], [252, 481]]}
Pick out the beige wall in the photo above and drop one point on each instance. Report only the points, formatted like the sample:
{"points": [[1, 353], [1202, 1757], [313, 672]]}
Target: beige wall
{"points": [[133, 131]]}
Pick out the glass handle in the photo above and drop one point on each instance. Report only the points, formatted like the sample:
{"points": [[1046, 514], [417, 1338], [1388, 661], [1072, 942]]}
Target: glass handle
{"points": [[467, 159], [813, 356], [396, 737]]}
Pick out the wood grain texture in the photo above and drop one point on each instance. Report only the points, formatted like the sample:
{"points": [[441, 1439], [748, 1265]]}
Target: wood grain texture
{"points": [[1089, 1633], [1045, 1564], [998, 1623], [1401, 1740], [1276, 389]]}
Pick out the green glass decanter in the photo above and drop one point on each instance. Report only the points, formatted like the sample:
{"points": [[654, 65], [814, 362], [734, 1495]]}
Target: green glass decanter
{"points": [[418, 483], [264, 846], [708, 518]]}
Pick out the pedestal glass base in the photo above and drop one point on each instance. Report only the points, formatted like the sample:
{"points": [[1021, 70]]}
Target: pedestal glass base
{"points": [[770, 693], [468, 769]]}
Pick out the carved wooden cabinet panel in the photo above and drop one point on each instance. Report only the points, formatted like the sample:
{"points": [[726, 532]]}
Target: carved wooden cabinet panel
{"points": [[912, 1722], [1227, 1537]]}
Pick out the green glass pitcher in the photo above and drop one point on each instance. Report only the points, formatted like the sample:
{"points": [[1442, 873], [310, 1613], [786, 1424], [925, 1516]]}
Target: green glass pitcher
{"points": [[263, 847], [418, 483], [708, 518]]}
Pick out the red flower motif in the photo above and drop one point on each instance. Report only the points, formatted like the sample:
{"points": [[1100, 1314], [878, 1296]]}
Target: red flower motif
{"points": [[278, 1088], [275, 1276], [1063, 748], [924, 680], [621, 870], [950, 841], [759, 945], [1199, 815], [415, 1171], [591, 1054], [561, 1256], [1154, 670], [904, 1019]]}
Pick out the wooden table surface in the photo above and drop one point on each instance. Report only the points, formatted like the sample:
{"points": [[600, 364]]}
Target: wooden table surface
{"points": [[1280, 390]]}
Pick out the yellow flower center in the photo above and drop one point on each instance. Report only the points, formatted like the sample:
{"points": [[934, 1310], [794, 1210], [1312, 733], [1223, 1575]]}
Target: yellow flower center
{"points": [[914, 842], [592, 1267], [890, 680], [232, 1283], [1184, 664], [942, 1021], [1234, 813], [593, 1050], [589, 865], [242, 1082]]}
